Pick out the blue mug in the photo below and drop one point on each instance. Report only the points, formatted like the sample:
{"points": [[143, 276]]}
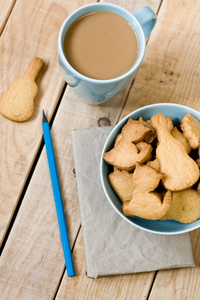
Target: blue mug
{"points": [[95, 91]]}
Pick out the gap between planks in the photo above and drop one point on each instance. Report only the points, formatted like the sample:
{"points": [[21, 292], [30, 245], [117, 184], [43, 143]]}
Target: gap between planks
{"points": [[64, 269], [37, 159], [120, 114], [30, 174], [151, 287], [132, 83], [7, 17], [41, 145]]}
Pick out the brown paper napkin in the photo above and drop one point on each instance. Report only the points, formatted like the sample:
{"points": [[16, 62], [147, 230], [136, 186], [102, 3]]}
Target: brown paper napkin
{"points": [[112, 245]]}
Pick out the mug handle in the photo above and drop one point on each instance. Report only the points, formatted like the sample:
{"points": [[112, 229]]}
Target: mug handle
{"points": [[147, 19]]}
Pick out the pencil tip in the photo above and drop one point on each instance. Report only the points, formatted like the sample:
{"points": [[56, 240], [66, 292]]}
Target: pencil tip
{"points": [[44, 119]]}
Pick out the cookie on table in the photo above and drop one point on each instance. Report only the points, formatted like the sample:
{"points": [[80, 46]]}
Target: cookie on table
{"points": [[17, 104]]}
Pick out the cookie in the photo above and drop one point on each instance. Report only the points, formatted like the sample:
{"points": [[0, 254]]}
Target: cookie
{"points": [[180, 136], [17, 104], [185, 206], [134, 131], [181, 171], [122, 184], [118, 137], [125, 155], [141, 145], [151, 135], [170, 124], [191, 130], [145, 202], [154, 164]]}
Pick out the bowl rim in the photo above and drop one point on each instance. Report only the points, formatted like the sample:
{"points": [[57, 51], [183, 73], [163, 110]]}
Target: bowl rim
{"points": [[116, 129]]}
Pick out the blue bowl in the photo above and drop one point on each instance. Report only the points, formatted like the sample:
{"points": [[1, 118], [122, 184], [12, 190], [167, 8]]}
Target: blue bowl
{"points": [[168, 227]]}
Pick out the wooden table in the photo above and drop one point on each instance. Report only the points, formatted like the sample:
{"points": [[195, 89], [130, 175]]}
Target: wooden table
{"points": [[32, 264]]}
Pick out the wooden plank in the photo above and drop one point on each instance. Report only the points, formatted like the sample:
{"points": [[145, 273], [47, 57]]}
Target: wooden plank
{"points": [[32, 263], [33, 249], [171, 67], [110, 287], [170, 73], [133, 5], [5, 10], [180, 283], [32, 30], [113, 287]]}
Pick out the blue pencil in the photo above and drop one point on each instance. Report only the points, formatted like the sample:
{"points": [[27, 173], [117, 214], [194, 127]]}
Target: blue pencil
{"points": [[57, 197]]}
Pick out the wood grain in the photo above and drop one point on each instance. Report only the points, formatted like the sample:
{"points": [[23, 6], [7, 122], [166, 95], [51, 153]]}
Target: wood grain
{"points": [[171, 67], [33, 248], [180, 283], [110, 287], [170, 73], [31, 30], [32, 264], [133, 5], [5, 10]]}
